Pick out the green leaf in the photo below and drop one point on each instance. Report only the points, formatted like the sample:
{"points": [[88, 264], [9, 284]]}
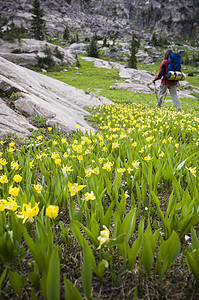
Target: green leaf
{"points": [[168, 252], [147, 255], [93, 240], [34, 250], [100, 269], [15, 281], [71, 293], [107, 217], [128, 224], [53, 277], [3, 276], [86, 272], [136, 247]]}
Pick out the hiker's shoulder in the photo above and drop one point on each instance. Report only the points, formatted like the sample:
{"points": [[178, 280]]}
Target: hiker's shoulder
{"points": [[165, 63]]}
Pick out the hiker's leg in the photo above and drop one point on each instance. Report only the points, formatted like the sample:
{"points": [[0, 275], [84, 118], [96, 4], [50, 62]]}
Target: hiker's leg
{"points": [[174, 96], [161, 93]]}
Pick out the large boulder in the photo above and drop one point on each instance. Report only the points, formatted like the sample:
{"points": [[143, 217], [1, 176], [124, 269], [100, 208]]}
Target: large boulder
{"points": [[13, 122], [38, 95], [27, 52]]}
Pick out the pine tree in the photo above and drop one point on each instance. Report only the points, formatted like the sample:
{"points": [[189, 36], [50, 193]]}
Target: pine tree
{"points": [[92, 49], [132, 62], [154, 40], [37, 21], [66, 34]]}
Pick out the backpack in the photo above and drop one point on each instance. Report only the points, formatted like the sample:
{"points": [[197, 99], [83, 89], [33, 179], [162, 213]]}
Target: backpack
{"points": [[174, 68]]}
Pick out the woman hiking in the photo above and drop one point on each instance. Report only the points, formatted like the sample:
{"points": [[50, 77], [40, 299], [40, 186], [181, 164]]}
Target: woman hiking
{"points": [[167, 84]]}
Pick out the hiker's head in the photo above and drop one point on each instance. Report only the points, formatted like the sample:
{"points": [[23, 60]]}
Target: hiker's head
{"points": [[166, 55]]}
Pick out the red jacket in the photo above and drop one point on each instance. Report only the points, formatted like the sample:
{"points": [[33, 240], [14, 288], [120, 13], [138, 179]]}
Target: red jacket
{"points": [[162, 71]]}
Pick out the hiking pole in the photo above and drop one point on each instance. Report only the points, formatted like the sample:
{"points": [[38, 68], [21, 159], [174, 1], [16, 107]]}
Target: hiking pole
{"points": [[156, 92]]}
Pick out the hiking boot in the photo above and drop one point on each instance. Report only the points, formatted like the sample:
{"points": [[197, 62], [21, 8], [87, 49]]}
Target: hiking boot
{"points": [[158, 105]]}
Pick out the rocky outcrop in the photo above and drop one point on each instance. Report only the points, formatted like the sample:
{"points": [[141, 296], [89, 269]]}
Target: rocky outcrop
{"points": [[30, 52], [110, 17], [38, 95]]}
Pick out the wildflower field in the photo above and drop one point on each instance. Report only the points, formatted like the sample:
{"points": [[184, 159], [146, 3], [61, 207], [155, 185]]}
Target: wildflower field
{"points": [[80, 213], [111, 213]]}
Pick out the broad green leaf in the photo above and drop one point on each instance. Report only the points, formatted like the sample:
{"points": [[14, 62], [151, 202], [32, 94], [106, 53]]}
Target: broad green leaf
{"points": [[15, 281], [100, 269], [147, 255], [34, 250], [71, 293], [86, 272], [53, 277], [128, 225], [168, 253], [136, 247]]}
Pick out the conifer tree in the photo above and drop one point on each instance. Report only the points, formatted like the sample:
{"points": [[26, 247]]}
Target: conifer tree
{"points": [[132, 62], [37, 21], [154, 40], [92, 49], [66, 34]]}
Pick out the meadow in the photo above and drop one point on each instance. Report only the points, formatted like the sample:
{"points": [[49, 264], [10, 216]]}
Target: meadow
{"points": [[111, 213]]}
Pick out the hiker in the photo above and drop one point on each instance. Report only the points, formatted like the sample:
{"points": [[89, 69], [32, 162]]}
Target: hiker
{"points": [[167, 84]]}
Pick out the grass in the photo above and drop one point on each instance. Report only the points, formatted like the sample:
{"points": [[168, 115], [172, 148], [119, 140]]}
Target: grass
{"points": [[96, 80], [87, 77]]}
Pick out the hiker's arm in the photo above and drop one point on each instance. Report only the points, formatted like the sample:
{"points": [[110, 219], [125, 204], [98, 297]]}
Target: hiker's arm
{"points": [[161, 73]]}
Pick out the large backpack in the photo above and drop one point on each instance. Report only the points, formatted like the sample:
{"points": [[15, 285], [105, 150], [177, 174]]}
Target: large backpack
{"points": [[174, 68]]}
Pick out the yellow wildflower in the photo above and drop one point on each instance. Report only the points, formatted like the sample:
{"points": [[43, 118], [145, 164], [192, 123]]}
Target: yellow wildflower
{"points": [[11, 204], [63, 141], [12, 144], [3, 161], [134, 144], [80, 157], [192, 170], [115, 145], [177, 146], [66, 154], [3, 179], [74, 188], [96, 171], [55, 155], [101, 159], [104, 236], [148, 158], [89, 196], [57, 161], [52, 211], [161, 154], [31, 164], [121, 170], [107, 166], [28, 212], [40, 137], [38, 187], [17, 178], [88, 172], [67, 169], [14, 165], [11, 149], [49, 128], [135, 164], [14, 191], [3, 204]]}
